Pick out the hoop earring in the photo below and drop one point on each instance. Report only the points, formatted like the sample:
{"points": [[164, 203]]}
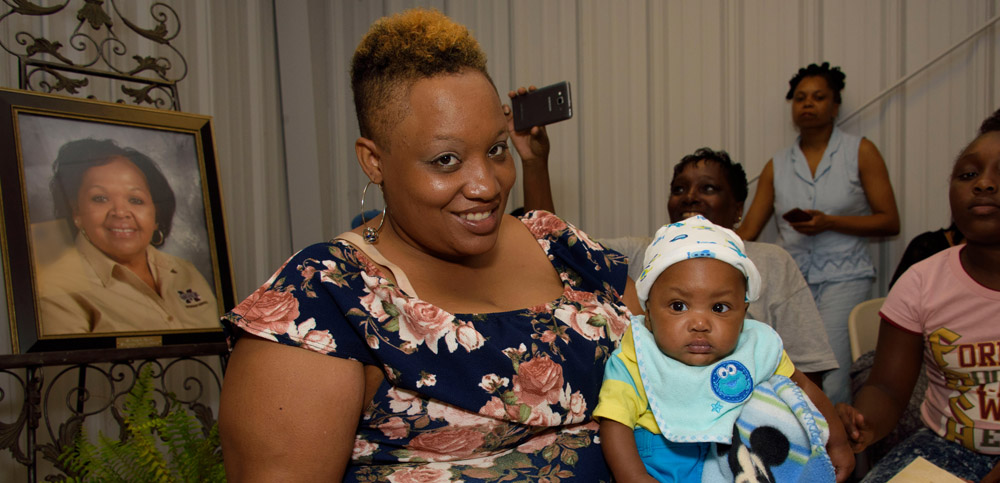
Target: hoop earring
{"points": [[159, 243], [371, 234]]}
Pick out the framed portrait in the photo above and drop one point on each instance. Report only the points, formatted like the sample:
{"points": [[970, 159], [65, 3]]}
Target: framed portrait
{"points": [[111, 229]]}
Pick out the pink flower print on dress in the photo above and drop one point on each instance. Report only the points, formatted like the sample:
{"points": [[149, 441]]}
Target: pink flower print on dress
{"points": [[456, 417], [446, 444], [538, 381], [426, 379], [420, 474], [395, 428], [546, 246], [422, 323], [370, 268], [541, 415], [574, 404], [493, 382], [373, 306], [515, 354], [363, 448], [542, 224], [586, 240], [273, 312], [591, 425], [401, 400], [307, 271], [332, 274], [579, 320], [538, 443], [545, 308], [581, 297], [466, 335], [617, 324], [495, 408], [547, 336], [376, 294], [318, 340]]}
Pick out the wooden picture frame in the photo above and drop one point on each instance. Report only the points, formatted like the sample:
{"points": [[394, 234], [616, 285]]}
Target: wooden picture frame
{"points": [[112, 225]]}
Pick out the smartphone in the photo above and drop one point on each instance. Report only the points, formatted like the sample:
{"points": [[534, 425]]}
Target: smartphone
{"points": [[796, 215], [542, 106]]}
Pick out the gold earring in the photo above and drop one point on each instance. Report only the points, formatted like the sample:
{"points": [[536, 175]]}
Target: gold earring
{"points": [[154, 241]]}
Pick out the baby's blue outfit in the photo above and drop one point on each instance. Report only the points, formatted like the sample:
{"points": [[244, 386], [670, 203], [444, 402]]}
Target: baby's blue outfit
{"points": [[699, 404], [695, 406]]}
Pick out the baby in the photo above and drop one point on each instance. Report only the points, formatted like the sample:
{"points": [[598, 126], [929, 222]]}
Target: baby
{"points": [[685, 370]]}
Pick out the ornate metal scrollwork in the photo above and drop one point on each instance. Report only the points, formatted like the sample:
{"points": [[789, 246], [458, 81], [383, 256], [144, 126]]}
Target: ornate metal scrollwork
{"points": [[10, 433], [110, 56], [117, 381], [97, 52], [62, 404]]}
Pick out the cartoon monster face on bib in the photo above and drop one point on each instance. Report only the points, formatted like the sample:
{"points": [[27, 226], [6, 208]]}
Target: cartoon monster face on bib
{"points": [[731, 381]]}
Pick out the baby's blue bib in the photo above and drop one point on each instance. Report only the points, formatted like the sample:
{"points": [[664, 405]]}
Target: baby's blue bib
{"points": [[701, 403]]}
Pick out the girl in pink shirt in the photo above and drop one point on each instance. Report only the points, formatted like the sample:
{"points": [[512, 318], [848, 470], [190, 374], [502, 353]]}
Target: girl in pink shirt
{"points": [[944, 310]]}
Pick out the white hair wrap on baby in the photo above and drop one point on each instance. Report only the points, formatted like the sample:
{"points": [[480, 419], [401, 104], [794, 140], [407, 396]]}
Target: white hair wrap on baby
{"points": [[695, 237]]}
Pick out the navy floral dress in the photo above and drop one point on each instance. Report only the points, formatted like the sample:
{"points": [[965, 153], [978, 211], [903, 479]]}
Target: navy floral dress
{"points": [[466, 397]]}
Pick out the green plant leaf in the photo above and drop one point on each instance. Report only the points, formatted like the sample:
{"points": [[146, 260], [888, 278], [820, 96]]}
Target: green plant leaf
{"points": [[167, 448]]}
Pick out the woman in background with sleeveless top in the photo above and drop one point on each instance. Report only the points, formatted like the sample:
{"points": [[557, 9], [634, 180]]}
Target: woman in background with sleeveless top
{"points": [[841, 182]]}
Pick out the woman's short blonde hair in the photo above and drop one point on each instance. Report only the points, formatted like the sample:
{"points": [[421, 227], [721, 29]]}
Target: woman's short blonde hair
{"points": [[399, 50]]}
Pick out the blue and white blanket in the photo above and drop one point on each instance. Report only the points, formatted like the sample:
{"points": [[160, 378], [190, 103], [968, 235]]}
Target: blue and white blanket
{"points": [[779, 436]]}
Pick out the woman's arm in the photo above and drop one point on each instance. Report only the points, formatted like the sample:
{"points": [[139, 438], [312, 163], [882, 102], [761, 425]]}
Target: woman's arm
{"points": [[631, 298], [884, 220], [762, 207], [533, 148], [882, 399], [287, 413], [837, 446], [618, 445]]}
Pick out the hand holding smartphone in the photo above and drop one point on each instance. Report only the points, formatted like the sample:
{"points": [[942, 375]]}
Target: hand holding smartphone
{"points": [[542, 106], [796, 215]]}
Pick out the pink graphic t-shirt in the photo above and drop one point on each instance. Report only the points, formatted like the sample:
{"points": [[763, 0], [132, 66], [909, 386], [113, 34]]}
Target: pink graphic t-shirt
{"points": [[959, 320]]}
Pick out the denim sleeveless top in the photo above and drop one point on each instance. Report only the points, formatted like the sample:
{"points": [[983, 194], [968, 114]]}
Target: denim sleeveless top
{"points": [[835, 190]]}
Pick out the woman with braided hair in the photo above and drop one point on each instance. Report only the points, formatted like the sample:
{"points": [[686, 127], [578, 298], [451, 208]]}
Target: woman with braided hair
{"points": [[831, 191]]}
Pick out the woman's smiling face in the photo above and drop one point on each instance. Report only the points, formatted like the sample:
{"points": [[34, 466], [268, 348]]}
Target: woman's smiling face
{"points": [[115, 211], [702, 188], [448, 171]]}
